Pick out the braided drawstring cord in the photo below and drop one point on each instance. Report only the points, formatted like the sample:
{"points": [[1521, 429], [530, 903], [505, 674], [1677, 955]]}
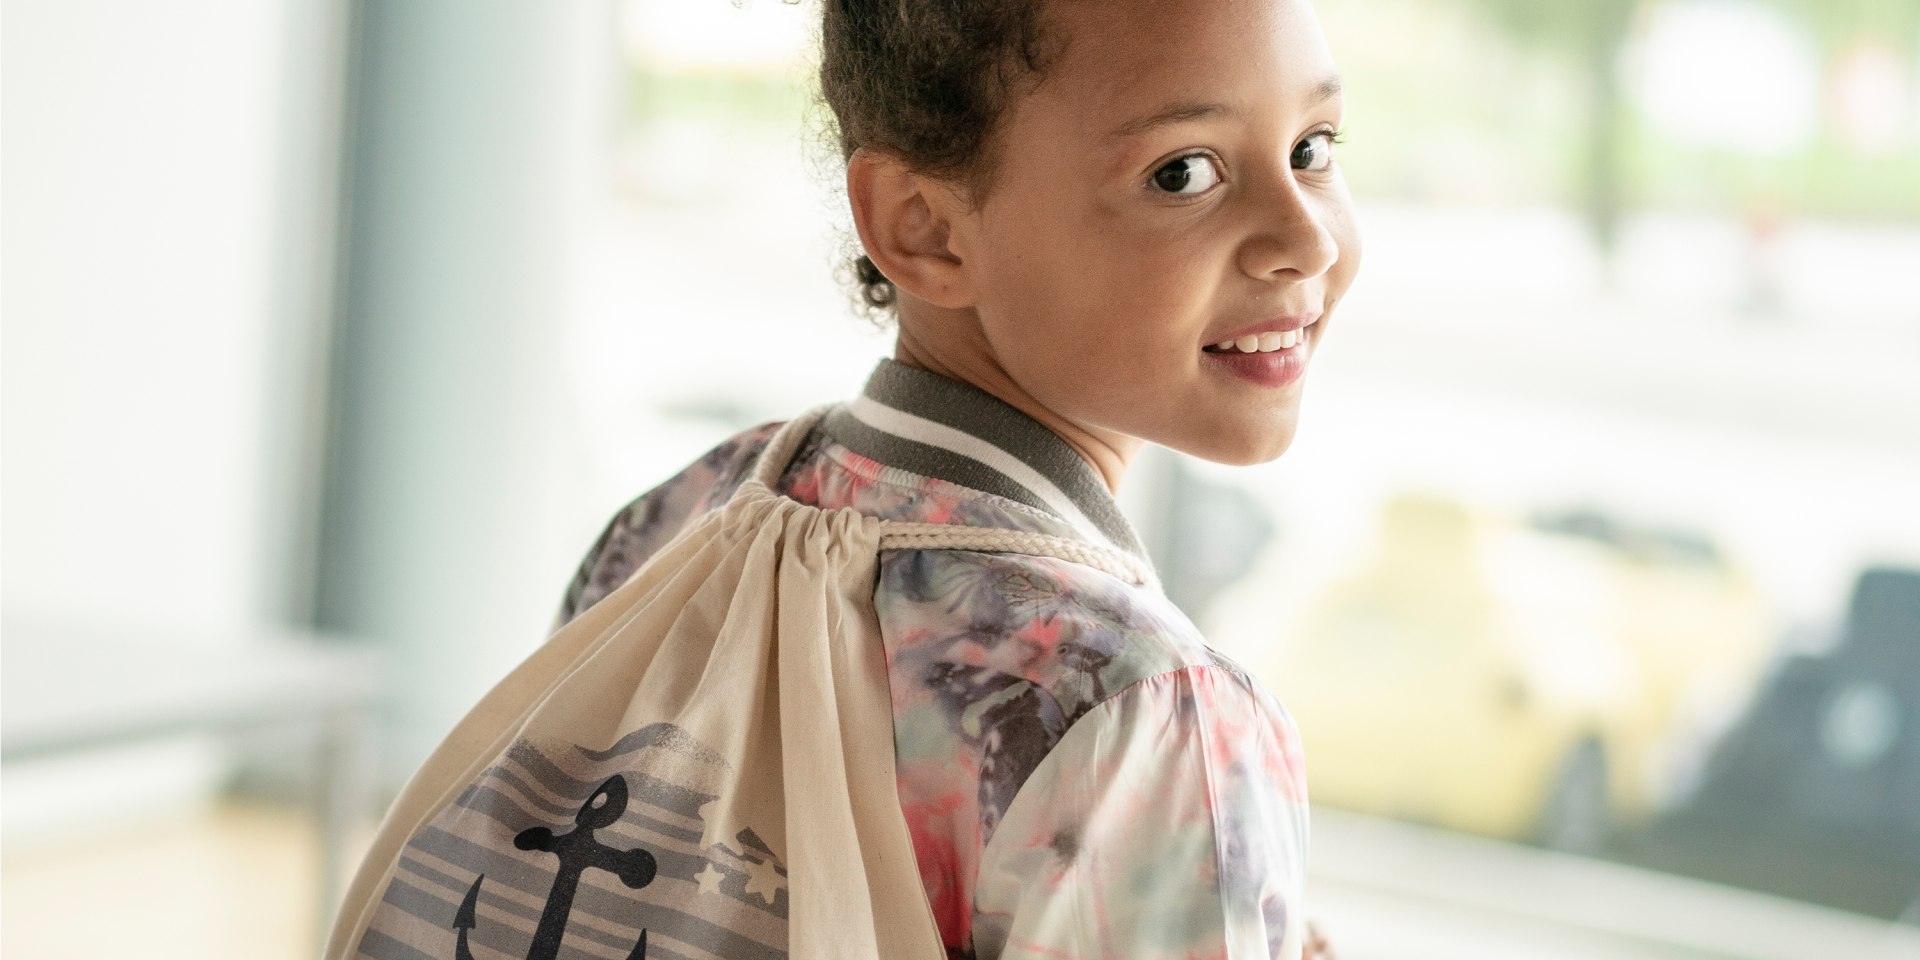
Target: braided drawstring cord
{"points": [[901, 535]]}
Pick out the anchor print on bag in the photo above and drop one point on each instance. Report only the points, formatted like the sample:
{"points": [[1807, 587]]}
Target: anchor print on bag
{"points": [[577, 851], [568, 853]]}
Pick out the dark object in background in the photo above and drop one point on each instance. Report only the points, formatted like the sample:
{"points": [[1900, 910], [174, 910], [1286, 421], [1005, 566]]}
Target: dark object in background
{"points": [[1815, 794], [1647, 544], [1211, 535]]}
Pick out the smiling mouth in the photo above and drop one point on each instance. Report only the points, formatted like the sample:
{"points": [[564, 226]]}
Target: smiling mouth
{"points": [[1271, 342]]}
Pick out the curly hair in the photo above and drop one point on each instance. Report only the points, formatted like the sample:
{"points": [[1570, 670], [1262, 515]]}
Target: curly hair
{"points": [[926, 81]]}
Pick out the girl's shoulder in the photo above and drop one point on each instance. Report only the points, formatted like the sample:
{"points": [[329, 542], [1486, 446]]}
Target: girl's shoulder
{"points": [[995, 657], [822, 473], [649, 521], [1064, 625], [1037, 702]]}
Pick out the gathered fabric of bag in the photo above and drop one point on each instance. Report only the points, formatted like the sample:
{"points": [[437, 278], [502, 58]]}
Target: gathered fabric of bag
{"points": [[701, 764]]}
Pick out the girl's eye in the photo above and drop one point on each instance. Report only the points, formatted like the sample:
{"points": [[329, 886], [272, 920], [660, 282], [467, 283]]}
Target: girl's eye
{"points": [[1315, 153], [1190, 175]]}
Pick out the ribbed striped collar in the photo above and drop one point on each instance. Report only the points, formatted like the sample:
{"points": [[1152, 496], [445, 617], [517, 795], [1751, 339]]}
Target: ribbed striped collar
{"points": [[924, 423]]}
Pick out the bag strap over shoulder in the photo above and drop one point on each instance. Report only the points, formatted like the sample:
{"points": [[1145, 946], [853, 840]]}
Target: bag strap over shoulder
{"points": [[899, 535], [947, 536], [786, 441]]}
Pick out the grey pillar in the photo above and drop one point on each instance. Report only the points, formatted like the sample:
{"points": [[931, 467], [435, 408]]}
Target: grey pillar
{"points": [[474, 128]]}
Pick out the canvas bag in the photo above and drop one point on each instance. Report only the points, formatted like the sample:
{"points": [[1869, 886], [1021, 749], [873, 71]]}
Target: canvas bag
{"points": [[700, 764]]}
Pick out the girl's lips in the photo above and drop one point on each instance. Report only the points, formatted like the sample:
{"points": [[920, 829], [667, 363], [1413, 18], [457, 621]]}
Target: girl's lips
{"points": [[1276, 369], [1298, 322]]}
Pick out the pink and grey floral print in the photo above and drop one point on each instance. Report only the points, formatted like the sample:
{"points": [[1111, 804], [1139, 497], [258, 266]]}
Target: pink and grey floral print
{"points": [[1081, 775]]}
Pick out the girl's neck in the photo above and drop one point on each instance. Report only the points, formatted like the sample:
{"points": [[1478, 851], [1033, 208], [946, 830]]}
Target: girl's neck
{"points": [[969, 359]]}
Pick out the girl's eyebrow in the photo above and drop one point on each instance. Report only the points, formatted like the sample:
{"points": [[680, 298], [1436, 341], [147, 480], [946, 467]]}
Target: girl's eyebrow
{"points": [[1181, 111]]}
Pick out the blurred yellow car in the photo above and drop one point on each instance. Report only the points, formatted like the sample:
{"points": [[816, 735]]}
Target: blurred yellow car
{"points": [[1546, 681]]}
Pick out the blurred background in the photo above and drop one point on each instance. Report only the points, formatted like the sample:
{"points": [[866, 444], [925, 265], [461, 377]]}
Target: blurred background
{"points": [[335, 331]]}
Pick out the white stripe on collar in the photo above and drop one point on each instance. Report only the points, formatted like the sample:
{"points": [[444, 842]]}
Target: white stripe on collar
{"points": [[900, 423]]}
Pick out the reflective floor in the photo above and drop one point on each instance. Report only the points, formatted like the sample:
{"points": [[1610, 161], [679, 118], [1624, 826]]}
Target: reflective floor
{"points": [[1392, 891], [235, 881], [238, 881]]}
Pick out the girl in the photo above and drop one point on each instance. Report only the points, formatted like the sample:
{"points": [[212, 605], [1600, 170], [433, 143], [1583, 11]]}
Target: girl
{"points": [[1098, 223]]}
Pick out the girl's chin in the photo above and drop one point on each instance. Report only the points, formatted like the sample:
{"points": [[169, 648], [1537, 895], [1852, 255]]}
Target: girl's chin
{"points": [[1239, 445]]}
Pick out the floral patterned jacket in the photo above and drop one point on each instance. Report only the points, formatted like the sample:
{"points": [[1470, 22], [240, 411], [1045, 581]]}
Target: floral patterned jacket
{"points": [[1081, 775]]}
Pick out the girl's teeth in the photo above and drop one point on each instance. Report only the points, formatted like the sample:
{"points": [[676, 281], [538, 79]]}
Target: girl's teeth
{"points": [[1262, 343]]}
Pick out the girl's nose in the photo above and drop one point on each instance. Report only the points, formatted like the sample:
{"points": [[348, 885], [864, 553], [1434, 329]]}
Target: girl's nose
{"points": [[1291, 238]]}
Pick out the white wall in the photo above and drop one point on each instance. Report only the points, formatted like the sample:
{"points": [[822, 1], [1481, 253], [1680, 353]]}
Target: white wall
{"points": [[169, 180], [162, 162]]}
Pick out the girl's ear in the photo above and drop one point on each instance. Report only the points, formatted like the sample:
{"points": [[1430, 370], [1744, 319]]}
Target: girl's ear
{"points": [[905, 220]]}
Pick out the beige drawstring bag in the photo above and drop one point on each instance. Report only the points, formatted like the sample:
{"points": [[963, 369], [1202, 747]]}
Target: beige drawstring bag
{"points": [[700, 764]]}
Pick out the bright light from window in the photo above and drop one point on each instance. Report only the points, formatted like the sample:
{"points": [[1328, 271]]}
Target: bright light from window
{"points": [[1729, 74], [1869, 96], [707, 35]]}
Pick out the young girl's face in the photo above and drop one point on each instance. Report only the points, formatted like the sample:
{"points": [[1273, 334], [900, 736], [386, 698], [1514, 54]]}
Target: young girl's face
{"points": [[1168, 187]]}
